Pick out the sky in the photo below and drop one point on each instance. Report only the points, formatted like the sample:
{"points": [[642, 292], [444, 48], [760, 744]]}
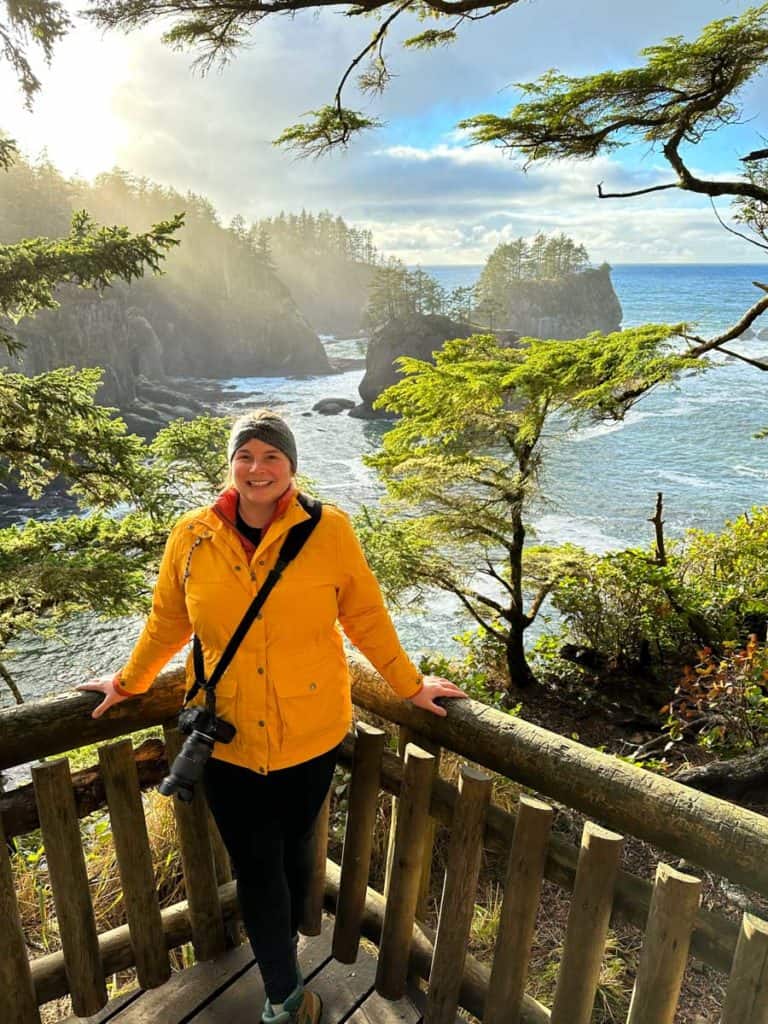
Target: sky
{"points": [[427, 195]]}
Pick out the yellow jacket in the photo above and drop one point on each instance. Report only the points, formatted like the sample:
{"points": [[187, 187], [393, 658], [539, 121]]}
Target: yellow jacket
{"points": [[287, 688]]}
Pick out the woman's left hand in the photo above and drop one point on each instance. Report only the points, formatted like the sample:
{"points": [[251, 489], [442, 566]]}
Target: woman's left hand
{"points": [[432, 687]]}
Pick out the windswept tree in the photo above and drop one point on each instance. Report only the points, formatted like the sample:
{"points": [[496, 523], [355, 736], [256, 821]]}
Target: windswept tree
{"points": [[460, 465]]}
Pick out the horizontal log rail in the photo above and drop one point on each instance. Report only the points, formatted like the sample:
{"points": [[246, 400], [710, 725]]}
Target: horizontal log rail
{"points": [[488, 738], [707, 831], [714, 937]]}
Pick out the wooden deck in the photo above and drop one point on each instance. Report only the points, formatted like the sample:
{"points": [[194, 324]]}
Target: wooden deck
{"points": [[228, 990]]}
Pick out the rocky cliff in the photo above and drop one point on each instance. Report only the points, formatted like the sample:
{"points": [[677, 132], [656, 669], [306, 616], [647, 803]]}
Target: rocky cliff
{"points": [[567, 307], [417, 335], [151, 331]]}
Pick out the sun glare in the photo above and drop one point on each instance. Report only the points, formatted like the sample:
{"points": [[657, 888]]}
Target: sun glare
{"points": [[72, 117]]}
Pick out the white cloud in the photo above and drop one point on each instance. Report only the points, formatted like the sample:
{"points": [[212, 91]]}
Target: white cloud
{"points": [[426, 195]]}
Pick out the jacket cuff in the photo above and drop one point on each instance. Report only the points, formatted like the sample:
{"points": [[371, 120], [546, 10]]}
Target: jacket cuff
{"points": [[121, 689]]}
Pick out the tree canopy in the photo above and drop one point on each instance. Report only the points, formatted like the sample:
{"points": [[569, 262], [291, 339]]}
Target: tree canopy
{"points": [[462, 461]]}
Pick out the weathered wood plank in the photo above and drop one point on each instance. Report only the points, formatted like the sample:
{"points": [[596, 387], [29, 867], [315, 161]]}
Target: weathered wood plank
{"points": [[109, 1012], [587, 928], [18, 1004], [186, 990], [406, 872], [465, 852], [208, 936], [522, 889], [343, 987], [134, 859], [69, 883], [665, 947], [358, 840], [377, 1010], [241, 1001]]}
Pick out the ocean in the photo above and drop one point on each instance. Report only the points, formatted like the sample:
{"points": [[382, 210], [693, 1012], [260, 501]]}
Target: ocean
{"points": [[693, 441]]}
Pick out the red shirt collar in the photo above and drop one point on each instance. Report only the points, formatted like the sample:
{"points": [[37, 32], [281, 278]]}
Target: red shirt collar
{"points": [[226, 505]]}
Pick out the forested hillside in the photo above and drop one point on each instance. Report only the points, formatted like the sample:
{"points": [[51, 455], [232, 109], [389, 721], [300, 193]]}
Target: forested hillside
{"points": [[219, 309]]}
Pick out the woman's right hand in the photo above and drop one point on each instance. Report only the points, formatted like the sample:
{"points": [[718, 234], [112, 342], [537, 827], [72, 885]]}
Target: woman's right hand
{"points": [[108, 685]]}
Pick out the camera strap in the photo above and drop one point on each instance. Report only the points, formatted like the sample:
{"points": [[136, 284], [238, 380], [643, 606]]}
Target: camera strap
{"points": [[297, 537]]}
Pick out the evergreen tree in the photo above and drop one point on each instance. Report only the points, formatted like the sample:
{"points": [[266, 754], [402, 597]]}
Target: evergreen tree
{"points": [[463, 457]]}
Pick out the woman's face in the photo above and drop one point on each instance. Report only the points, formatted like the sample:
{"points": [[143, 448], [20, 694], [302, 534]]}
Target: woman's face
{"points": [[261, 474]]}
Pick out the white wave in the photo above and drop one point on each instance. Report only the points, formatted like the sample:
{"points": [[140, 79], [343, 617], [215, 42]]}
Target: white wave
{"points": [[760, 473], [688, 479], [553, 528]]}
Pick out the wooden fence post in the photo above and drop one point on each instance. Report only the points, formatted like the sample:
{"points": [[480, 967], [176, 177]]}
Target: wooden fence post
{"points": [[587, 928], [465, 852], [358, 841], [400, 914], [664, 954], [746, 1001], [312, 918], [205, 914], [406, 736], [522, 889], [18, 1004], [69, 882], [134, 859]]}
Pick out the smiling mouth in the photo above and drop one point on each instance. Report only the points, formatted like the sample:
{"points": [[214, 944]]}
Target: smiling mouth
{"points": [[259, 483]]}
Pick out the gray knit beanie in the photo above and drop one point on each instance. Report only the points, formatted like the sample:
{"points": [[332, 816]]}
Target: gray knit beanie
{"points": [[262, 425]]}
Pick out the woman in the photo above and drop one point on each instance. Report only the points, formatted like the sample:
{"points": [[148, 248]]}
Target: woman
{"points": [[287, 688]]}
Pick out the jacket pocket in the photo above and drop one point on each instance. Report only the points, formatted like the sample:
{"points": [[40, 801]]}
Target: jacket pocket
{"points": [[308, 703]]}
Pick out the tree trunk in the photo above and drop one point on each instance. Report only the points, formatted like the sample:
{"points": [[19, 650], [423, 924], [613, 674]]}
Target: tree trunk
{"points": [[520, 675]]}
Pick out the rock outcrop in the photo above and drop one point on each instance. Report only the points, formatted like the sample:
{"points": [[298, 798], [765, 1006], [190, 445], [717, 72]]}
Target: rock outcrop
{"points": [[417, 335], [145, 332], [571, 306], [568, 307]]}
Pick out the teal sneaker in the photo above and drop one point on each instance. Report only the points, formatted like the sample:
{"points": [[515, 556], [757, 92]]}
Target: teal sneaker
{"points": [[301, 1007]]}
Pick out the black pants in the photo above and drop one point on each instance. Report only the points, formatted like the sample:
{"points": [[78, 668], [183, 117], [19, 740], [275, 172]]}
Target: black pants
{"points": [[266, 824]]}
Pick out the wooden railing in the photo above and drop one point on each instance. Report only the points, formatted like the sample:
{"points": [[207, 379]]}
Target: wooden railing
{"points": [[622, 799]]}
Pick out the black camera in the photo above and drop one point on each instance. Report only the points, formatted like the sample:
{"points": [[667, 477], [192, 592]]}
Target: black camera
{"points": [[202, 730]]}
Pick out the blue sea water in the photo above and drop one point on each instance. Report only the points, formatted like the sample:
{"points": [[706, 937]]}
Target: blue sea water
{"points": [[694, 442]]}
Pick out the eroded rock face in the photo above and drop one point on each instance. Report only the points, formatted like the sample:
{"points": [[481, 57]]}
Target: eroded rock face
{"points": [[572, 306], [569, 307], [138, 332], [417, 335]]}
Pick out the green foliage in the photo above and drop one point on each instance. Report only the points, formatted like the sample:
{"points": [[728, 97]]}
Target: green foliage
{"points": [[50, 425], [89, 256], [723, 700], [41, 22], [683, 88], [624, 606], [463, 458], [397, 292], [103, 562], [726, 571], [322, 235], [331, 126], [431, 38]]}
